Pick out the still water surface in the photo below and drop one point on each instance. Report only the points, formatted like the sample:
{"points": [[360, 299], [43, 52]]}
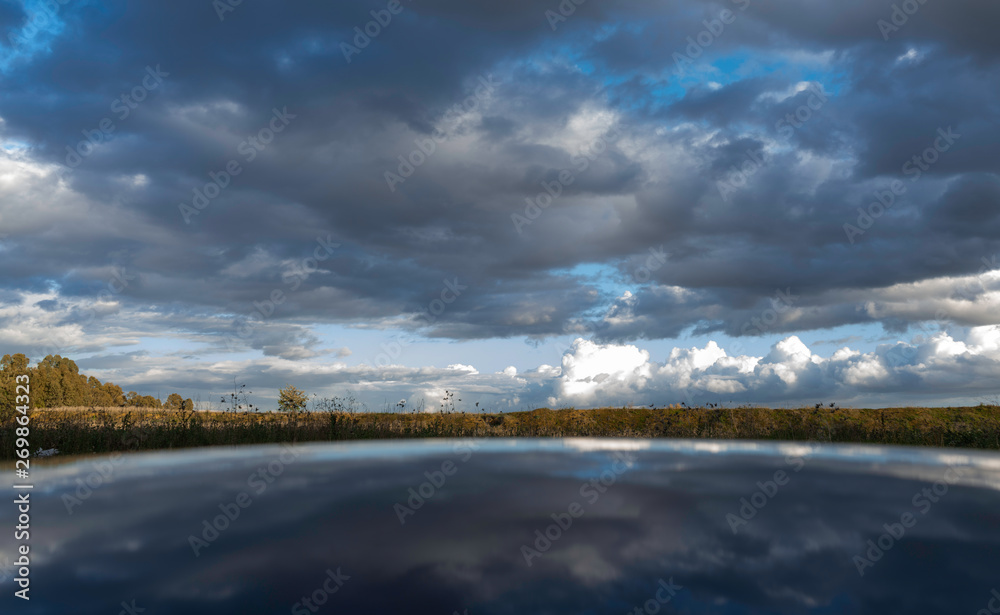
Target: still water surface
{"points": [[519, 527]]}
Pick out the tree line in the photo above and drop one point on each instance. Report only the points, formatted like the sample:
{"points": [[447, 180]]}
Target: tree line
{"points": [[57, 382]]}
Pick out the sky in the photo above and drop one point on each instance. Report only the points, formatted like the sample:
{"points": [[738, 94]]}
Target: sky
{"points": [[527, 203]]}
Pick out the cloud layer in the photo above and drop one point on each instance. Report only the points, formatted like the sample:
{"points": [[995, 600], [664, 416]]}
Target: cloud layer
{"points": [[466, 172], [937, 369]]}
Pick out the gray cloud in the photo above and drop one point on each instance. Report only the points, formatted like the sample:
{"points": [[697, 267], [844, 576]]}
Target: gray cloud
{"points": [[609, 68]]}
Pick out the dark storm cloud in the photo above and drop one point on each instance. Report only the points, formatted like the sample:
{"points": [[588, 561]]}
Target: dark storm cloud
{"points": [[552, 94]]}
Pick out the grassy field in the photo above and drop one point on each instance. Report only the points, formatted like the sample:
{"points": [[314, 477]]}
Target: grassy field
{"points": [[103, 430]]}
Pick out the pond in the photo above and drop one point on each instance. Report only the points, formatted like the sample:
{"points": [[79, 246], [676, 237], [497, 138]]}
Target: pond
{"points": [[519, 527]]}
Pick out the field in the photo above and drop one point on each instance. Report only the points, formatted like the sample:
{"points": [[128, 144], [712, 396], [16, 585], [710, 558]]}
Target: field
{"points": [[103, 430]]}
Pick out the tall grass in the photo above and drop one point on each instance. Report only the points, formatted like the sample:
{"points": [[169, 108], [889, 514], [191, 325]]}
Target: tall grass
{"points": [[101, 430]]}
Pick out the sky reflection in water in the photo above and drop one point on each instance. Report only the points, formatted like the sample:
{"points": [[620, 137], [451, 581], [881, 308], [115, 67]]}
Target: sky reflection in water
{"points": [[664, 517]]}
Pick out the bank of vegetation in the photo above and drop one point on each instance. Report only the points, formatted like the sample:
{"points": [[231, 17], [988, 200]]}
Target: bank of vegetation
{"points": [[56, 382], [77, 414], [101, 430]]}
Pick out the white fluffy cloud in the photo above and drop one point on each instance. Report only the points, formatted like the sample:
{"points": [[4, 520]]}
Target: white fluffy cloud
{"points": [[595, 374], [938, 368], [589, 366]]}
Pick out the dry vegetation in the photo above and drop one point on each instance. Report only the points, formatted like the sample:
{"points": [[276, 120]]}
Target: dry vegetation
{"points": [[101, 430]]}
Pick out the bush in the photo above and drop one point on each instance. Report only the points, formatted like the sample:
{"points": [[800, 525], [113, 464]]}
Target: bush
{"points": [[291, 399]]}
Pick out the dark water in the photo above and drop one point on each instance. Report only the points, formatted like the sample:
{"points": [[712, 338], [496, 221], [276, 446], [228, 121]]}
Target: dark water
{"points": [[663, 533]]}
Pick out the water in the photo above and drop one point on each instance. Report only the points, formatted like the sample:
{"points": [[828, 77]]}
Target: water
{"points": [[328, 529]]}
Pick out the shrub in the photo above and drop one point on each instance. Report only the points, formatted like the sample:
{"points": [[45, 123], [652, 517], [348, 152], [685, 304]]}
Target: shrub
{"points": [[291, 399]]}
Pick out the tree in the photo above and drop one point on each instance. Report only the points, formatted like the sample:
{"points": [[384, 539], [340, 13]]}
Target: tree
{"points": [[99, 397], [47, 386], [174, 402], [74, 386], [17, 364], [57, 382], [291, 399], [148, 401], [115, 396], [10, 368]]}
